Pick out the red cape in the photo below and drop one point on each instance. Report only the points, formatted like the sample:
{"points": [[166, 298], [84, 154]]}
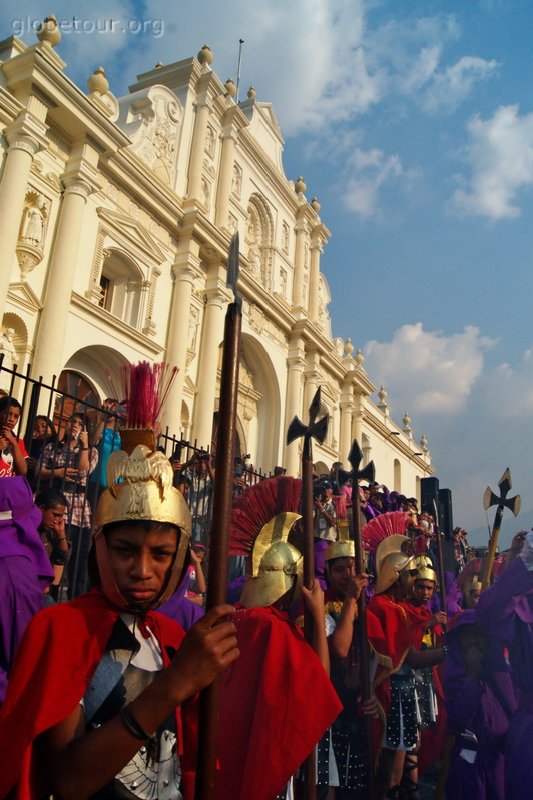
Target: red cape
{"points": [[418, 617], [56, 659], [431, 739], [393, 620], [276, 701]]}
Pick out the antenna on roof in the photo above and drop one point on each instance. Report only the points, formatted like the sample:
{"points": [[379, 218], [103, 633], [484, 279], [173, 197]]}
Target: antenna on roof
{"points": [[241, 42]]}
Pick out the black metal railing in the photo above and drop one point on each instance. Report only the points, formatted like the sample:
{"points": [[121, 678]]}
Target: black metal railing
{"points": [[55, 443]]}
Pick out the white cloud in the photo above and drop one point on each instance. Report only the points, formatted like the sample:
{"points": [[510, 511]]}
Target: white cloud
{"points": [[447, 89], [500, 154], [369, 170], [510, 393], [428, 372], [412, 56], [321, 62]]}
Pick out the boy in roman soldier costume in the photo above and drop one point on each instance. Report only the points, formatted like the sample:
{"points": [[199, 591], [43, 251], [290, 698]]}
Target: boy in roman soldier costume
{"points": [[101, 701], [277, 699], [341, 755], [427, 634], [396, 572]]}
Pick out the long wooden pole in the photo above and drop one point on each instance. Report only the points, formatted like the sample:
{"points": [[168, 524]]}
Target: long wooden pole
{"points": [[361, 631], [218, 549]]}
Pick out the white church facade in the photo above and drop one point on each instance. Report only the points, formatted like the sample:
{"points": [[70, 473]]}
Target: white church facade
{"points": [[115, 222]]}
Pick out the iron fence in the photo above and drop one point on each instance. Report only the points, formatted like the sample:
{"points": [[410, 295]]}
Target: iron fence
{"points": [[68, 441]]}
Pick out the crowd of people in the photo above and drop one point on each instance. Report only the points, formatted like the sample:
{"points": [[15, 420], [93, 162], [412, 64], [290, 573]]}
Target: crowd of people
{"points": [[102, 690]]}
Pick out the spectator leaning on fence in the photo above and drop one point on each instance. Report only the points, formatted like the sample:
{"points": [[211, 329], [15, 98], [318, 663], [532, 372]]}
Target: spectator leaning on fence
{"points": [[13, 456]]}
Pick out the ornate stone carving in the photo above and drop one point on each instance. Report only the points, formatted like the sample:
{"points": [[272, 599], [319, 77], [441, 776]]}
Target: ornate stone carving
{"points": [[210, 140], [154, 130], [32, 233], [232, 223], [236, 181], [262, 324], [285, 233]]}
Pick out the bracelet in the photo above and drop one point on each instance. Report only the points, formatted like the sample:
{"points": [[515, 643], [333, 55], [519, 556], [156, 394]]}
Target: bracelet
{"points": [[131, 724], [444, 650], [62, 539], [84, 449]]}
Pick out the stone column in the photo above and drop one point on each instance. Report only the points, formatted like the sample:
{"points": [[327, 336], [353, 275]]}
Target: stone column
{"points": [[345, 433], [293, 406], [79, 184], [357, 419], [225, 174], [314, 280], [26, 136], [312, 377], [185, 271], [212, 333], [299, 259], [194, 184]]}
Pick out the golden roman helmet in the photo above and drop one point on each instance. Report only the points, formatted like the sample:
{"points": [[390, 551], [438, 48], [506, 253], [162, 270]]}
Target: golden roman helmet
{"points": [[140, 488], [394, 543], [391, 559], [275, 565], [344, 547], [425, 569]]}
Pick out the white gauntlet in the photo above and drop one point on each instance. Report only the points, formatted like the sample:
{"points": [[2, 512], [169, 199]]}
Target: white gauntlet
{"points": [[527, 551]]}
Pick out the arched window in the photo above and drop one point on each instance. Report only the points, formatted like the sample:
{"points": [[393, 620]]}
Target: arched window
{"points": [[397, 476], [72, 385], [259, 240], [121, 285]]}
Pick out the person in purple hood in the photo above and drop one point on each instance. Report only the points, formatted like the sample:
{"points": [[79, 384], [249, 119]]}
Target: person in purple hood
{"points": [[505, 612], [25, 569], [480, 702]]}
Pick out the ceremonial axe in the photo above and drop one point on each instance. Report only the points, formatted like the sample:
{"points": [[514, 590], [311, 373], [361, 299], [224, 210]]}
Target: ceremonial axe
{"points": [[491, 499], [314, 430], [368, 473]]}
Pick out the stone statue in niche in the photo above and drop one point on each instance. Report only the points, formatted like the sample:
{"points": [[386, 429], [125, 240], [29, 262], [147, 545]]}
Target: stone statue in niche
{"points": [[193, 328], [206, 191], [236, 180], [285, 237], [254, 261], [7, 349], [283, 282], [209, 147], [33, 222]]}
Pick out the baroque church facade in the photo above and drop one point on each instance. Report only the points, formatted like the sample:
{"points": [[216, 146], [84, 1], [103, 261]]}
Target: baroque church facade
{"points": [[115, 221]]}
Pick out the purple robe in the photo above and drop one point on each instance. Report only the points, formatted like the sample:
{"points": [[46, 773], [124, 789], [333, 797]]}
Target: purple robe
{"points": [[180, 608], [484, 707], [505, 611], [25, 568]]}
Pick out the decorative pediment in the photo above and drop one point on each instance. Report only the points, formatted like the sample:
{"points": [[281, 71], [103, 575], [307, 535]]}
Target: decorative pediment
{"points": [[23, 296], [131, 231], [189, 387]]}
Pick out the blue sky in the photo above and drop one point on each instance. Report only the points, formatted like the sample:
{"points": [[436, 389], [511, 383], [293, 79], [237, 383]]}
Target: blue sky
{"points": [[412, 122]]}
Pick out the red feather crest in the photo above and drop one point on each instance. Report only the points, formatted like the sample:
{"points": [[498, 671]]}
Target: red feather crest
{"points": [[257, 506], [383, 526]]}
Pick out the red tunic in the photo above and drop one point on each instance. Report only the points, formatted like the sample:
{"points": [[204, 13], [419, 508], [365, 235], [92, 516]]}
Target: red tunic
{"points": [[57, 657], [393, 618], [276, 701]]}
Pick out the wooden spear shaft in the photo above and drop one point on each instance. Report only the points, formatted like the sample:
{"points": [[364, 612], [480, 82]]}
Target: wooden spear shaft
{"points": [[362, 642], [309, 577], [218, 549]]}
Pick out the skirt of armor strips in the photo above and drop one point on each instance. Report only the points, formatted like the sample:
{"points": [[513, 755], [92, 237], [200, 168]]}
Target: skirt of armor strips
{"points": [[340, 760], [427, 699], [403, 720]]}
